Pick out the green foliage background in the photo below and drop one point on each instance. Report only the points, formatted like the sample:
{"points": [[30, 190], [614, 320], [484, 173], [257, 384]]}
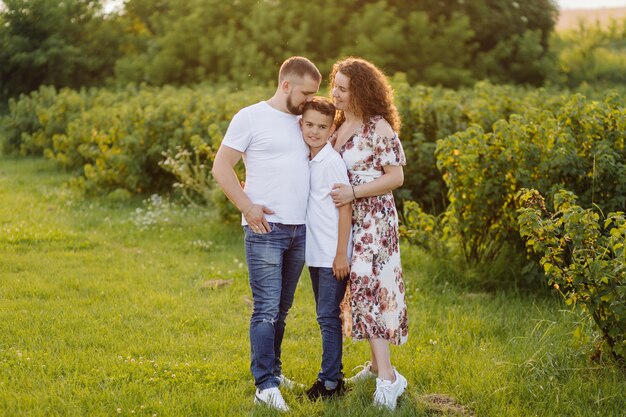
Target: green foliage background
{"points": [[450, 43], [453, 43]]}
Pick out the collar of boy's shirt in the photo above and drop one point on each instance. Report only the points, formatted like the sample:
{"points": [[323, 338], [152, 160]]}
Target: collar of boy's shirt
{"points": [[321, 155]]}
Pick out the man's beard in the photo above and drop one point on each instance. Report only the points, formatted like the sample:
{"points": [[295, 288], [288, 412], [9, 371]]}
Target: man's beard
{"points": [[293, 109]]}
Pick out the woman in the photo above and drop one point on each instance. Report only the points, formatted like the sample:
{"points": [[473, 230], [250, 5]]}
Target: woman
{"points": [[367, 120]]}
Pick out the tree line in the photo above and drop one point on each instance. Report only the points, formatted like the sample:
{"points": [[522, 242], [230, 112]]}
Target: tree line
{"points": [[438, 42]]}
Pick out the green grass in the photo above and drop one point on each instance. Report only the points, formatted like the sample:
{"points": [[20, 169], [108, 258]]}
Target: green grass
{"points": [[104, 310]]}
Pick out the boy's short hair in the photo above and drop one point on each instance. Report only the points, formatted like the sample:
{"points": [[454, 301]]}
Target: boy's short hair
{"points": [[299, 66], [322, 105]]}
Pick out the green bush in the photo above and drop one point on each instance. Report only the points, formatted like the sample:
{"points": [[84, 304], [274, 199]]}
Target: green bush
{"points": [[116, 140], [584, 258], [24, 131], [34, 121], [426, 230], [192, 170], [579, 147], [591, 54], [432, 114]]}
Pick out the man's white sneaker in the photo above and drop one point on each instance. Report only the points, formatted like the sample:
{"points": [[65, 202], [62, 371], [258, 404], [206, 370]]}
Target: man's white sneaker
{"points": [[363, 374], [272, 398], [387, 392], [288, 383]]}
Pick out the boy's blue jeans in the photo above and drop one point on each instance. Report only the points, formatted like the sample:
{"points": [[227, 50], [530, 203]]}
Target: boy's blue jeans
{"points": [[275, 261], [329, 292]]}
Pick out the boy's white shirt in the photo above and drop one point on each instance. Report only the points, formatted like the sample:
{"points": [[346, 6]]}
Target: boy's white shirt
{"points": [[275, 156], [322, 217]]}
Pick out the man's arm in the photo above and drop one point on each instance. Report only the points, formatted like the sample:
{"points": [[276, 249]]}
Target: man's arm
{"points": [[341, 264], [224, 173]]}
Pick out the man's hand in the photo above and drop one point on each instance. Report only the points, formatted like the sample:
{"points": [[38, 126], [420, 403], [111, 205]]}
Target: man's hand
{"points": [[255, 217]]}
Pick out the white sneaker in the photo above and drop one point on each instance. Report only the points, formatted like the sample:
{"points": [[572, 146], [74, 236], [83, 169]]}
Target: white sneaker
{"points": [[272, 398], [288, 383], [363, 374], [387, 392]]}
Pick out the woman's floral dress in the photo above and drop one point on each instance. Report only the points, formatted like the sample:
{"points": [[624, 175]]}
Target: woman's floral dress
{"points": [[376, 285]]}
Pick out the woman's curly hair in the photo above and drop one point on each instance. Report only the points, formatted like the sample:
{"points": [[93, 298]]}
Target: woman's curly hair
{"points": [[370, 92]]}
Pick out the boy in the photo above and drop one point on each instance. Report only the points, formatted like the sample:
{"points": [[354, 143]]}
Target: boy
{"points": [[328, 242]]}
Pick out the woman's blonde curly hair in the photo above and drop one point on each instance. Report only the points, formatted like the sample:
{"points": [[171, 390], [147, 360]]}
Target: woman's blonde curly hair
{"points": [[370, 92]]}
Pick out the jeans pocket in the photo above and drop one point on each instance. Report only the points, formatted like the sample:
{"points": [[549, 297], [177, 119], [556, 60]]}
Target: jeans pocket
{"points": [[252, 232]]}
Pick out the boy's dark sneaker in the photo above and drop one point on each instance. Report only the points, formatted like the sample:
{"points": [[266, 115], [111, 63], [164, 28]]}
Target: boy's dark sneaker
{"points": [[318, 390]]}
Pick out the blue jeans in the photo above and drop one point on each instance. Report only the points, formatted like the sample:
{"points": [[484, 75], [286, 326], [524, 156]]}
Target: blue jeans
{"points": [[275, 261], [329, 292]]}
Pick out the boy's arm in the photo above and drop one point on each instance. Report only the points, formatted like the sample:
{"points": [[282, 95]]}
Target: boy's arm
{"points": [[341, 264]]}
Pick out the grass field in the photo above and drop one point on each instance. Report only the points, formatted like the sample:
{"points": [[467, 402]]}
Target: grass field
{"points": [[112, 307]]}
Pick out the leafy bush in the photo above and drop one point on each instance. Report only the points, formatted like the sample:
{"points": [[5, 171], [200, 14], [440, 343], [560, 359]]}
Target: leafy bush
{"points": [[192, 169], [431, 114], [23, 130], [34, 121], [425, 230], [592, 54], [116, 139], [579, 147], [583, 257]]}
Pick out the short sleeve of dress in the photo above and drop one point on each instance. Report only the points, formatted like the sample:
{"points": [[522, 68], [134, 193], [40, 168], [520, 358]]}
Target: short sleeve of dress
{"points": [[388, 150]]}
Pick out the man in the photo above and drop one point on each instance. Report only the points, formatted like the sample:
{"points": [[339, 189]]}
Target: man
{"points": [[273, 205]]}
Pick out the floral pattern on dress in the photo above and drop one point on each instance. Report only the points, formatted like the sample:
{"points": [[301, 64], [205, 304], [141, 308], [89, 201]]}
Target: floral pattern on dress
{"points": [[376, 284]]}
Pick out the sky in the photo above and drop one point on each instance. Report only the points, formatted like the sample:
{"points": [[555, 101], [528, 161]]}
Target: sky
{"points": [[590, 4]]}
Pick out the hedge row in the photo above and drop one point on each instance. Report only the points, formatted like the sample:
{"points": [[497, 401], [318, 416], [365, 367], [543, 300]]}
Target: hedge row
{"points": [[116, 140]]}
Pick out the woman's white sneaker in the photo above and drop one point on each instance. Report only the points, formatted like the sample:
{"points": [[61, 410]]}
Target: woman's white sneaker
{"points": [[272, 398], [363, 374], [387, 392], [288, 383]]}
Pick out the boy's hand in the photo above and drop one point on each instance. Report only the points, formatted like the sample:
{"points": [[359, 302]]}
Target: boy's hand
{"points": [[341, 267]]}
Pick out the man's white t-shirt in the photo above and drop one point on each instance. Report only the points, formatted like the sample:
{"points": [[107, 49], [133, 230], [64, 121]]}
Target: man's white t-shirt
{"points": [[276, 161], [322, 217]]}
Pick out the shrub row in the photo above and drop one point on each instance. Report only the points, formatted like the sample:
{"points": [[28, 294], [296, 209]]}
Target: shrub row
{"points": [[485, 137], [116, 139], [572, 151]]}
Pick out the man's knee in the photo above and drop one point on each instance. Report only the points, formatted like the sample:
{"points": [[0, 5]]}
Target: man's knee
{"points": [[265, 314]]}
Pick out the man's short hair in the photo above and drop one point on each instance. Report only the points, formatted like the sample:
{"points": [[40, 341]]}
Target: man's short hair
{"points": [[299, 66], [322, 105]]}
